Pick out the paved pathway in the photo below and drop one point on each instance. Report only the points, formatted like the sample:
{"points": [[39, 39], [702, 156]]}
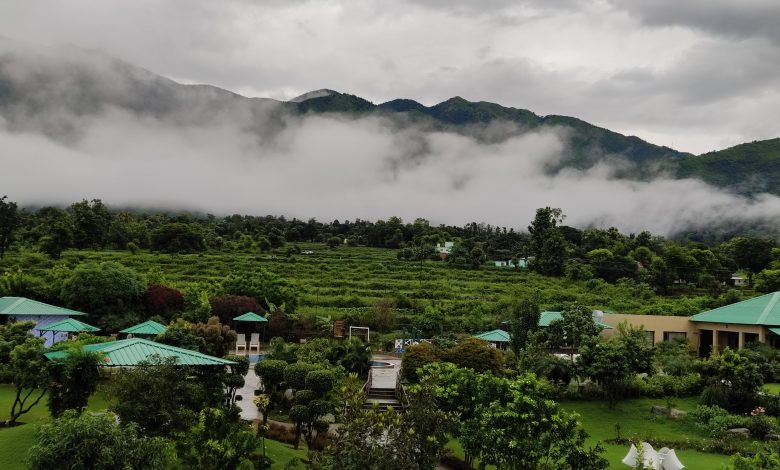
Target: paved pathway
{"points": [[385, 377]]}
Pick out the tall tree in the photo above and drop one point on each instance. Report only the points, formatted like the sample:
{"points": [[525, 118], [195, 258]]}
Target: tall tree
{"points": [[573, 329], [92, 220], [27, 368], [9, 221], [547, 245], [72, 381], [523, 321]]}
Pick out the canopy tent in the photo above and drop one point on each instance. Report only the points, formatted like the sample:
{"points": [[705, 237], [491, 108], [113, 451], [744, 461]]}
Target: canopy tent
{"points": [[498, 338], [69, 325], [251, 317], [147, 328], [131, 352]]}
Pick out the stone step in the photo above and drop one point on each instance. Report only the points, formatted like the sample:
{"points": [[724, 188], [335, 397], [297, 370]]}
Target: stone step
{"points": [[382, 403]]}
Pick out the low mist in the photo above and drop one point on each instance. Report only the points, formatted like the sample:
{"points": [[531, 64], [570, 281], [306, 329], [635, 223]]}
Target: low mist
{"points": [[190, 153]]}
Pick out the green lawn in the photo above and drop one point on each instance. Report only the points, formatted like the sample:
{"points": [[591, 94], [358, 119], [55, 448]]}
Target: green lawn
{"points": [[282, 453], [15, 442], [635, 418], [773, 388]]}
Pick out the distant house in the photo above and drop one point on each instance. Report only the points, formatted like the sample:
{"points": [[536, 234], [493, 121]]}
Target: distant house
{"points": [[18, 309], [520, 263], [444, 250], [738, 281], [497, 338]]}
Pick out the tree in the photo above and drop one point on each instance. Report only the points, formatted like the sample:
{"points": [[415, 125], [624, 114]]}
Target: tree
{"points": [[27, 369], [523, 321], [333, 242], [9, 221], [11, 336], [575, 326], [219, 441], [511, 423], [752, 254], [415, 357], [103, 288], [58, 229], [92, 221], [374, 439], [547, 245], [161, 397], [733, 381], [271, 373], [95, 441], [234, 380], [476, 257], [475, 354], [267, 288], [768, 280], [611, 363], [72, 380], [178, 238], [181, 334], [353, 355], [227, 307], [162, 300], [218, 337]]}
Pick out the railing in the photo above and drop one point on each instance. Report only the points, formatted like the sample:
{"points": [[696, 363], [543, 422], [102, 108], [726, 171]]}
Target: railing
{"points": [[400, 391], [367, 386]]}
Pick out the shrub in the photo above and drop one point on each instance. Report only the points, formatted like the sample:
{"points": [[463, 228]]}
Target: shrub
{"points": [[227, 307], [161, 300], [417, 356], [104, 287], [760, 425], [320, 381]]}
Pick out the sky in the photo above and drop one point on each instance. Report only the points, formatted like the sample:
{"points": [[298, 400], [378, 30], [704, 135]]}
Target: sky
{"points": [[695, 75]]}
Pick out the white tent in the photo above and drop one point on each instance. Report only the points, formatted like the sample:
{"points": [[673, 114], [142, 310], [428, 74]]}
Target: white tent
{"points": [[665, 459]]}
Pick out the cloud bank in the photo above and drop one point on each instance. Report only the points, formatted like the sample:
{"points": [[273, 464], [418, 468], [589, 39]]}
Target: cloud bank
{"points": [[76, 124]]}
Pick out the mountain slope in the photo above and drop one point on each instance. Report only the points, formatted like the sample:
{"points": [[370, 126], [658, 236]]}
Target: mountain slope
{"points": [[746, 168], [58, 91]]}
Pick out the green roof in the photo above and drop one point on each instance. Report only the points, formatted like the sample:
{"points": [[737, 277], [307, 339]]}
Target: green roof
{"points": [[149, 327], [131, 352], [69, 325], [775, 331], [548, 317], [22, 306], [495, 336], [762, 310], [250, 316]]}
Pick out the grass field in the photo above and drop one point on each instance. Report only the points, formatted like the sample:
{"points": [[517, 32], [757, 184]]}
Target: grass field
{"points": [[635, 419], [774, 388], [15, 442]]}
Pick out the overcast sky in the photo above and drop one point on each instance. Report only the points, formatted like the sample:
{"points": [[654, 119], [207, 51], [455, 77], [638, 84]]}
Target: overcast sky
{"points": [[696, 75]]}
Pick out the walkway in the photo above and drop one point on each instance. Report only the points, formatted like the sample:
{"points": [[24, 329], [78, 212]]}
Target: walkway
{"points": [[385, 377]]}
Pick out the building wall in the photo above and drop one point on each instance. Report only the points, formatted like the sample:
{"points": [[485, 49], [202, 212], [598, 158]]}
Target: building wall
{"points": [[658, 324], [41, 321]]}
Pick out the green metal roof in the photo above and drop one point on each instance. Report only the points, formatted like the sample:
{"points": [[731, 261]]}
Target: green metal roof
{"points": [[775, 331], [22, 306], [548, 317], [762, 310], [69, 325], [250, 316], [131, 352], [149, 327], [495, 336]]}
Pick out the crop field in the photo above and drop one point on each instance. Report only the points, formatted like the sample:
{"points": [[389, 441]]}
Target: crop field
{"points": [[346, 280]]}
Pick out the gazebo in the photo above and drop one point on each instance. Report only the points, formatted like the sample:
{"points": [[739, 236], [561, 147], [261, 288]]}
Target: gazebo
{"points": [[68, 325], [498, 338], [251, 318], [147, 328], [131, 352]]}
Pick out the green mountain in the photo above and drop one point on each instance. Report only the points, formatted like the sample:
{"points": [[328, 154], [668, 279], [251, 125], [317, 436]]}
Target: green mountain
{"points": [[746, 168], [587, 144], [58, 91]]}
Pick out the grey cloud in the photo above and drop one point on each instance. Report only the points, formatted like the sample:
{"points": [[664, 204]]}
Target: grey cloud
{"points": [[740, 19]]}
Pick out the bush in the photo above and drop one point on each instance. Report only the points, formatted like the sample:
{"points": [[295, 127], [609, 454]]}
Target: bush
{"points": [[227, 307], [104, 287], [760, 425], [178, 238], [661, 385], [417, 356], [715, 420], [161, 300]]}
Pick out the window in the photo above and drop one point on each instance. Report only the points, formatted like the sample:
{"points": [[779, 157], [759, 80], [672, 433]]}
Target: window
{"points": [[650, 337], [673, 335]]}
